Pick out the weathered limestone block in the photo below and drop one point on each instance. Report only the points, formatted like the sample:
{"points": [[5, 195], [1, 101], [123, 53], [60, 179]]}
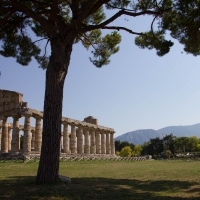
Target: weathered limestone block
{"points": [[107, 143], [65, 179], [33, 139], [98, 142], [65, 138], [27, 135], [38, 134], [87, 144], [15, 134], [103, 144], [9, 100], [73, 147], [91, 120], [4, 136], [93, 144], [112, 143], [80, 141]]}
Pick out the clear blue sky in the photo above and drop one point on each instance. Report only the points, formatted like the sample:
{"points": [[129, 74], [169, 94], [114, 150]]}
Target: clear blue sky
{"points": [[137, 90]]}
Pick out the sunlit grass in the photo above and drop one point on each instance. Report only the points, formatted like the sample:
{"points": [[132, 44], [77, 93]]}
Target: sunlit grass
{"points": [[105, 180]]}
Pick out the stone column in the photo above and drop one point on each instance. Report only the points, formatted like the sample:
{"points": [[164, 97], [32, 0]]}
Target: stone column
{"points": [[33, 139], [73, 147], [9, 138], [65, 138], [61, 142], [80, 141], [27, 135], [112, 143], [38, 135], [107, 143], [15, 135], [4, 136], [69, 143], [103, 144], [93, 145], [0, 136], [98, 143], [87, 143]]}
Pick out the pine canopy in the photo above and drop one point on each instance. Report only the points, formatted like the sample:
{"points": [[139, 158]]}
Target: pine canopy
{"points": [[83, 21]]}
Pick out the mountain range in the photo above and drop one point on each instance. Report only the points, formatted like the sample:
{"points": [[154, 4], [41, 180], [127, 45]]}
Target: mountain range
{"points": [[144, 135]]}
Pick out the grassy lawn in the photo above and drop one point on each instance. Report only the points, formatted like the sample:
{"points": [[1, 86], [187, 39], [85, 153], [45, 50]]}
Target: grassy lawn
{"points": [[105, 180]]}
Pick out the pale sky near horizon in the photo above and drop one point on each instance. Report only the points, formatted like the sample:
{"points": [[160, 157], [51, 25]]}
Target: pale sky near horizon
{"points": [[137, 90]]}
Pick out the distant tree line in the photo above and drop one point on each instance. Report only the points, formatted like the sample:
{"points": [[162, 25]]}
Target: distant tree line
{"points": [[126, 149], [167, 147]]}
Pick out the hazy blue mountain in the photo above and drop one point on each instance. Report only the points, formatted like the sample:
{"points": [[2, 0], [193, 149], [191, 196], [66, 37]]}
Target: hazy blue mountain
{"points": [[182, 130], [144, 135]]}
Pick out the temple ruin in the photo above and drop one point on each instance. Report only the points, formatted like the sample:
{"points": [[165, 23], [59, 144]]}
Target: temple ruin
{"points": [[85, 138]]}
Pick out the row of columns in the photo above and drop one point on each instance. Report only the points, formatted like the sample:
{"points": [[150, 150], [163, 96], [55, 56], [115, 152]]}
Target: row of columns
{"points": [[82, 140], [14, 145], [93, 142]]}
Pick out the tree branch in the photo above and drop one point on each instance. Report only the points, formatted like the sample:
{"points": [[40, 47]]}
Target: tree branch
{"points": [[49, 28], [54, 10], [117, 15], [123, 28], [88, 42], [39, 40], [152, 24], [89, 9], [111, 19], [45, 50]]}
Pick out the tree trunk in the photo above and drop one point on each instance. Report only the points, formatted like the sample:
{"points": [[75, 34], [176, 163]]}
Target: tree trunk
{"points": [[55, 76]]}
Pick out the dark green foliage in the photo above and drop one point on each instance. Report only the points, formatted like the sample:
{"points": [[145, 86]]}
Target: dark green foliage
{"points": [[155, 147], [145, 150], [154, 40], [182, 19], [120, 145], [17, 20], [38, 30], [117, 145], [17, 42], [193, 144], [96, 18], [168, 142], [160, 6], [184, 23], [105, 48], [158, 147], [187, 144]]}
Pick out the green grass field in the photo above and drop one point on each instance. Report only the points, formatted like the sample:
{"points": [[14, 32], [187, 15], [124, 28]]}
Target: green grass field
{"points": [[105, 180]]}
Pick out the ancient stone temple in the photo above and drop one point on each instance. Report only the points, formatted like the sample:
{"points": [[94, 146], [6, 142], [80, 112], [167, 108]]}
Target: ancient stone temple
{"points": [[78, 137]]}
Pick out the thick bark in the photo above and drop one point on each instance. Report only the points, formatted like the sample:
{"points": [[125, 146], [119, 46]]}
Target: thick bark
{"points": [[55, 76]]}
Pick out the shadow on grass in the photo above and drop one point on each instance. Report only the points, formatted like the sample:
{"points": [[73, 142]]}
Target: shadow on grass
{"points": [[98, 188]]}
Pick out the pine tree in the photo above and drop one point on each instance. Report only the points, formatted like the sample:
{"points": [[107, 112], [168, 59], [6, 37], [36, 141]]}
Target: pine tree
{"points": [[62, 23]]}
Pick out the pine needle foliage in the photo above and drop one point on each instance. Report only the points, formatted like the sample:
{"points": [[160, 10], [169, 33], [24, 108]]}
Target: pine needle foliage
{"points": [[27, 27]]}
